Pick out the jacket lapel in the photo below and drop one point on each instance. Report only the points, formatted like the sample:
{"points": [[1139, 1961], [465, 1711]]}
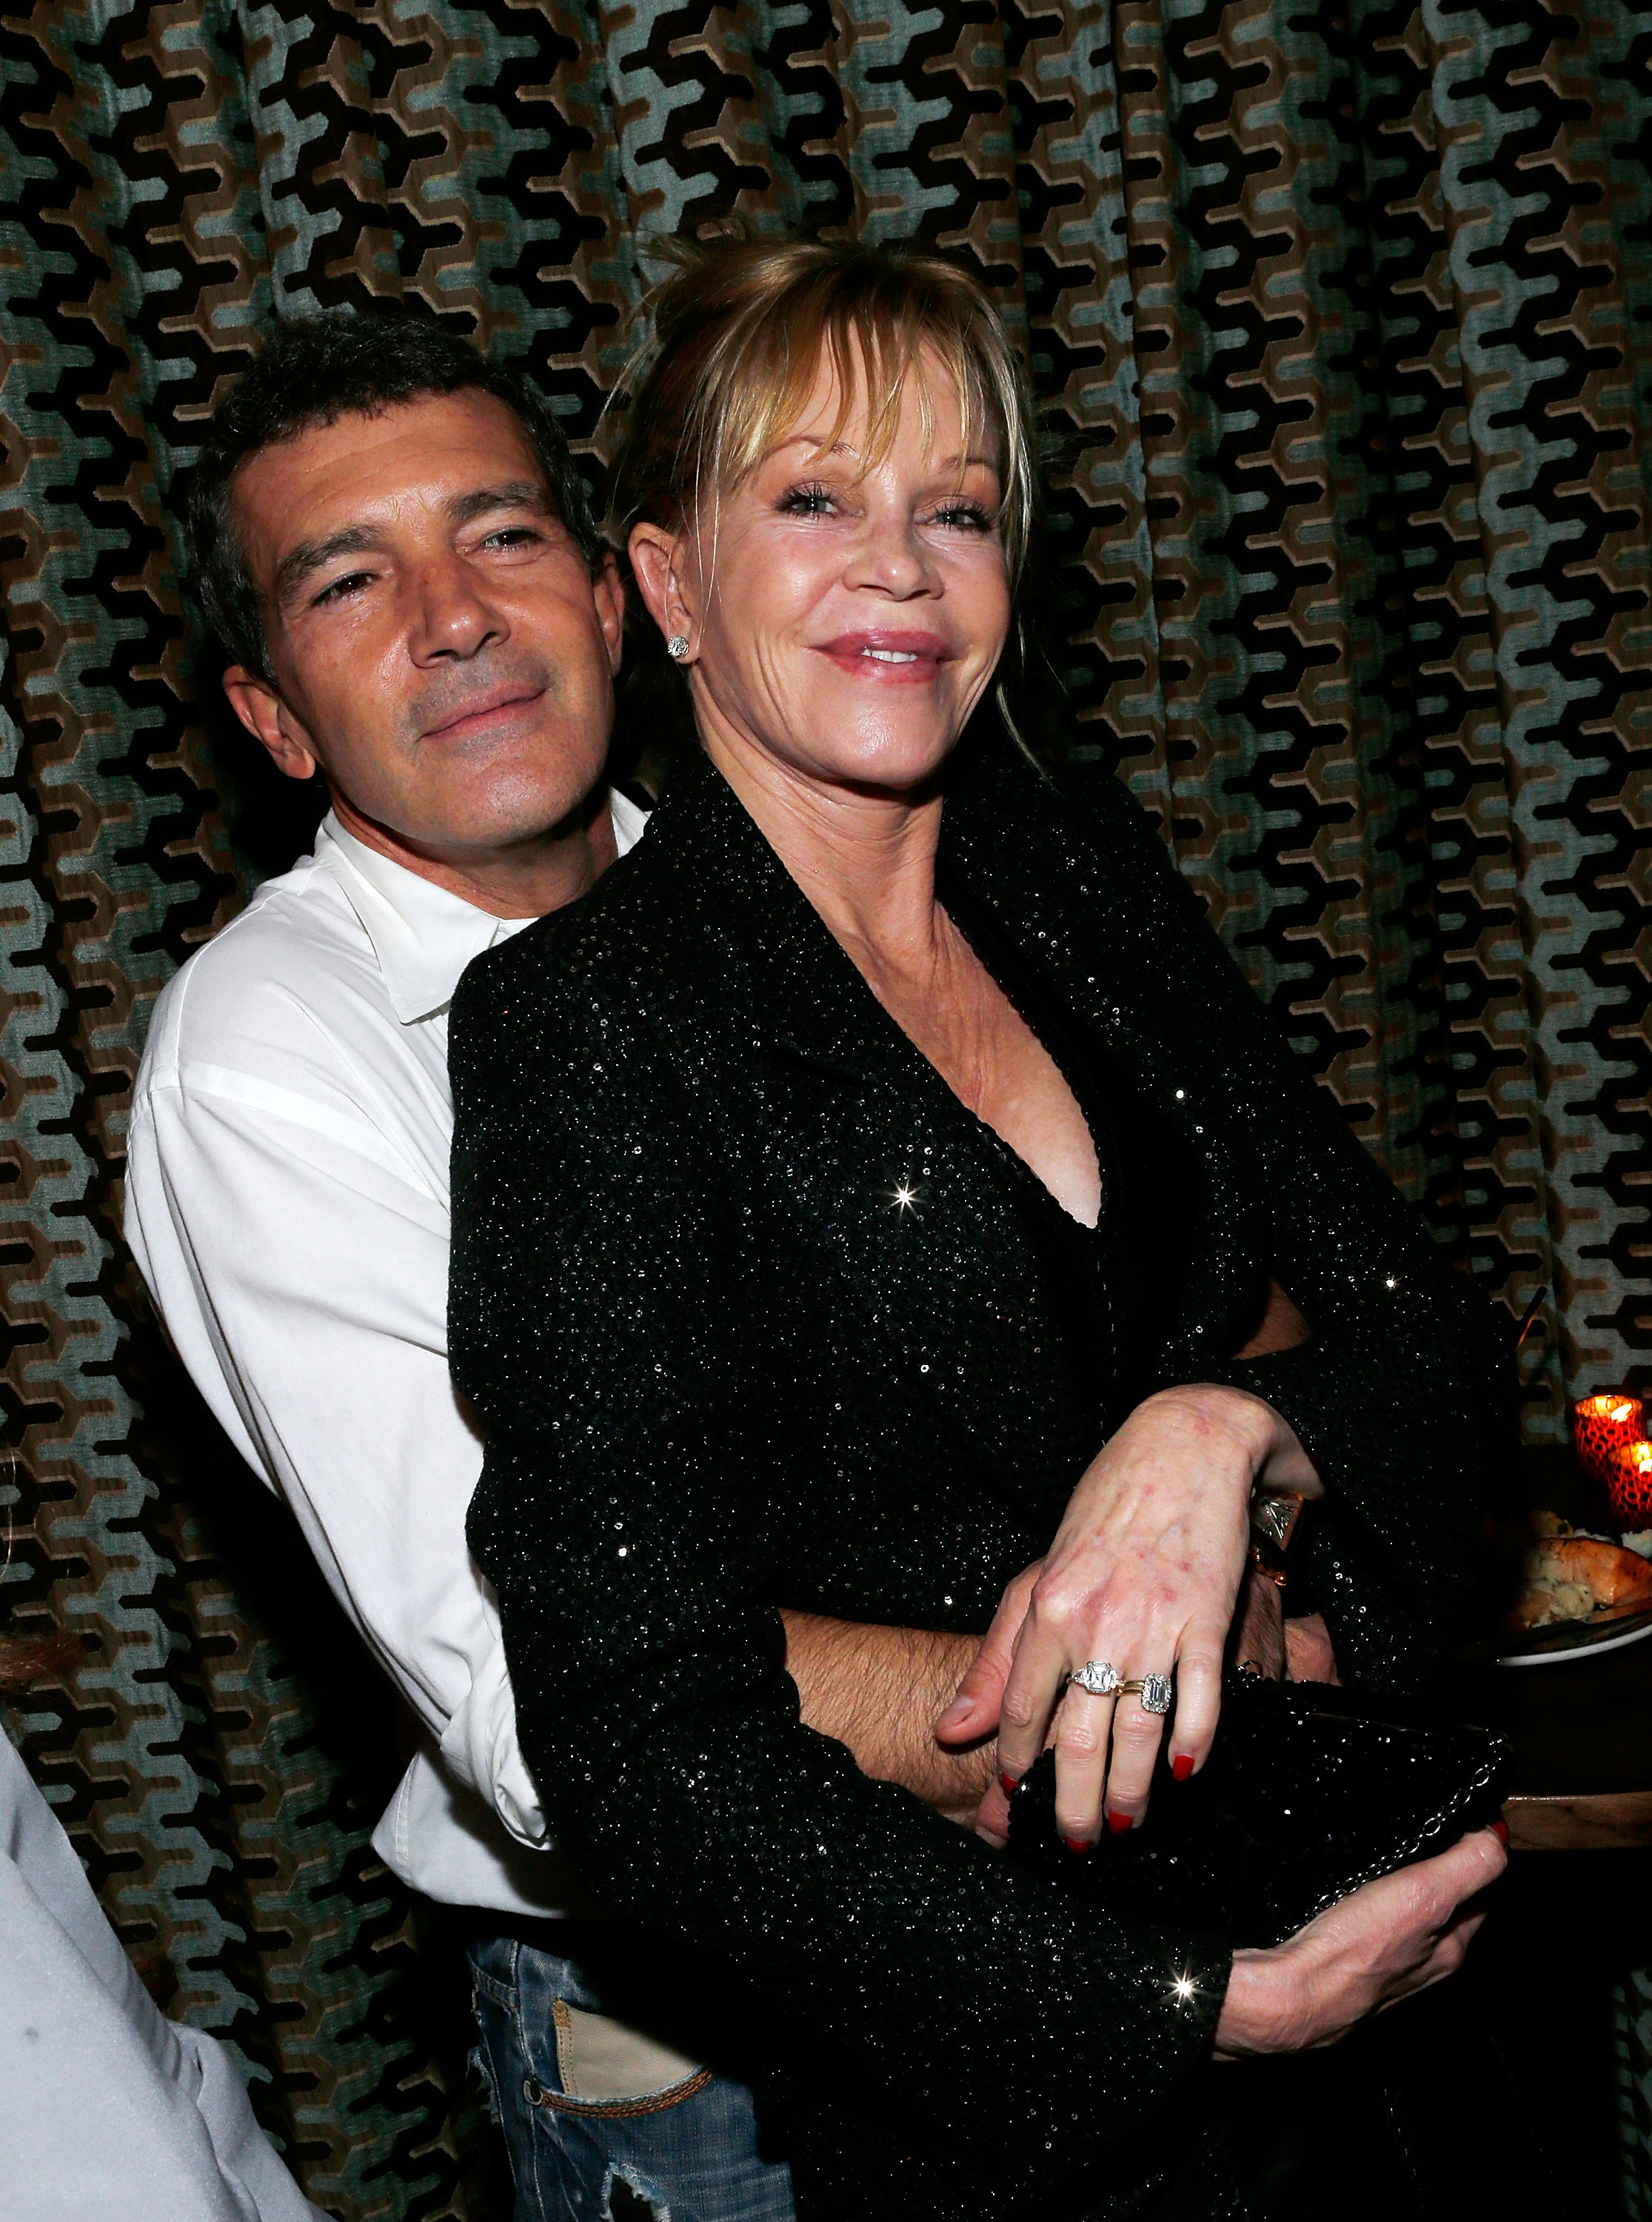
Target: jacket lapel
{"points": [[866, 1151], [1008, 835]]}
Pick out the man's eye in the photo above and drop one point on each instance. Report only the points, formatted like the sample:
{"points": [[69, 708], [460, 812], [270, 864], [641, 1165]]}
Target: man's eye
{"points": [[807, 501], [339, 589], [513, 535]]}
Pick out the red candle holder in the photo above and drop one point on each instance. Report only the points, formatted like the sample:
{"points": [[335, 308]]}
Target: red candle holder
{"points": [[1612, 1448]]}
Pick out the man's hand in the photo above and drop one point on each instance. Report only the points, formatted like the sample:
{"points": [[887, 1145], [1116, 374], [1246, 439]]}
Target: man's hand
{"points": [[1307, 1654], [973, 1711], [877, 1690], [1296, 1650]]}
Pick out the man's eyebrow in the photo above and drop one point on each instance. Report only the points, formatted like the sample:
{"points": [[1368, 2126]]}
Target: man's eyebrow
{"points": [[515, 493], [310, 556]]}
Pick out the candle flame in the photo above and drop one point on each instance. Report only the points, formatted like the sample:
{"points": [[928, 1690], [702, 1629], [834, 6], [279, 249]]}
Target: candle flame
{"points": [[1612, 1405]]}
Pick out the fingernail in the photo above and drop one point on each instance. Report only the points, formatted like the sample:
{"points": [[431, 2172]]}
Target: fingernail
{"points": [[1007, 1784], [1500, 1830], [990, 1837], [1120, 1824], [959, 1710], [1075, 1843], [1182, 1765]]}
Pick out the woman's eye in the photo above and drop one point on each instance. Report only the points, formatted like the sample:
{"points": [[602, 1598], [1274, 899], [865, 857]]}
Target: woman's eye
{"points": [[807, 501], [966, 517]]}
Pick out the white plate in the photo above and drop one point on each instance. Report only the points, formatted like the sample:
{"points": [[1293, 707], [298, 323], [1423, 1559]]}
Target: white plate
{"points": [[1587, 1641]]}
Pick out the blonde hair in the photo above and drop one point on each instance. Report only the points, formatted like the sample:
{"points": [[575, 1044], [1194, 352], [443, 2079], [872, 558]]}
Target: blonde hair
{"points": [[739, 330]]}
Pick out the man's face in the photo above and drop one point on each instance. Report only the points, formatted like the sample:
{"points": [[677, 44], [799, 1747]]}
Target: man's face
{"points": [[438, 645]]}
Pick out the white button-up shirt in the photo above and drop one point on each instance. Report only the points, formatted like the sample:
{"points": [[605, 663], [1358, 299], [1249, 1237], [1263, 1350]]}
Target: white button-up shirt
{"points": [[105, 2108], [287, 1203]]}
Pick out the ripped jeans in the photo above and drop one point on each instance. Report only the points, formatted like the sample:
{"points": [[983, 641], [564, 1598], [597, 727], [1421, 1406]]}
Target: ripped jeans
{"points": [[664, 2141]]}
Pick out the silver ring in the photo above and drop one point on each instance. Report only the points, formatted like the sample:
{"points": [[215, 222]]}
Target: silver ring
{"points": [[1098, 1678], [1152, 1692]]}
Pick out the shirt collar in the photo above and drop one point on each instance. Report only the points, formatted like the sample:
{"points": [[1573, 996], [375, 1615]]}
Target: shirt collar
{"points": [[423, 935]]}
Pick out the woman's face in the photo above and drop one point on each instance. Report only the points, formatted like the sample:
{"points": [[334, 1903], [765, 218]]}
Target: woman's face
{"points": [[845, 622]]}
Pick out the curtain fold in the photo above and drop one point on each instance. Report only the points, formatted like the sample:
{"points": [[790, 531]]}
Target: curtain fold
{"points": [[1341, 324]]}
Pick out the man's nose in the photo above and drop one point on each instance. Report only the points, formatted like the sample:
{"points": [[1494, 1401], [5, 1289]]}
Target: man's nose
{"points": [[450, 614]]}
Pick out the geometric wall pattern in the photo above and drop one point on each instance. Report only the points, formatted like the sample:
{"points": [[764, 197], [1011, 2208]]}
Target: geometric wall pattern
{"points": [[1341, 323]]}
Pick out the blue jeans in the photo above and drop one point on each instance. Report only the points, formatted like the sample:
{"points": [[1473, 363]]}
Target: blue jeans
{"points": [[685, 2153]]}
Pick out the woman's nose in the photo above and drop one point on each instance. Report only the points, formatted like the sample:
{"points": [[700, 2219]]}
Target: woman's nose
{"points": [[892, 556], [451, 615]]}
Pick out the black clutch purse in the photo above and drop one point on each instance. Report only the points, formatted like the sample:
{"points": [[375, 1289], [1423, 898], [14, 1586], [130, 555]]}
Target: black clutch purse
{"points": [[1308, 1792]]}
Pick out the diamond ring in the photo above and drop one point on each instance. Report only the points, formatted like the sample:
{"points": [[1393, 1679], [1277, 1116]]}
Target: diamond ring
{"points": [[1152, 1691], [1099, 1677]]}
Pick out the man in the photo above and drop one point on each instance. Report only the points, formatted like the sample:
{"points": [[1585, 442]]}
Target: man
{"points": [[388, 537], [106, 2107]]}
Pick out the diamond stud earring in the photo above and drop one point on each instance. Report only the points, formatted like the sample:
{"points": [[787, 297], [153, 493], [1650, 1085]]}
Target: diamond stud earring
{"points": [[676, 647]]}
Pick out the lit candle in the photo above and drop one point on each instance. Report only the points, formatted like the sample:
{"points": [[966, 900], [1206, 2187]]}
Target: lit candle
{"points": [[1610, 1431], [1629, 1485]]}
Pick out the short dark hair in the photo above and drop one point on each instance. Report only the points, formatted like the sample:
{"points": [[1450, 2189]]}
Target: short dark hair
{"points": [[308, 372]]}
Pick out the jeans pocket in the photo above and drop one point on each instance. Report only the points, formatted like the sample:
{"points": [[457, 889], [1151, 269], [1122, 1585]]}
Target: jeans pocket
{"points": [[608, 2069]]}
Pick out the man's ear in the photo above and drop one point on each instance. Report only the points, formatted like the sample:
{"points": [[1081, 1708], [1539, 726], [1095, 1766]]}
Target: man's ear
{"points": [[267, 717], [657, 566], [608, 592]]}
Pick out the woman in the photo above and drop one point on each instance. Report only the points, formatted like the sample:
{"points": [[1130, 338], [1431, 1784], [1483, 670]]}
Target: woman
{"points": [[870, 1183]]}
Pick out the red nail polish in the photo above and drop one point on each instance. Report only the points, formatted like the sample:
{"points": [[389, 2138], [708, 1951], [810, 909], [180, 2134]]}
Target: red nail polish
{"points": [[1007, 1783], [1182, 1765], [1075, 1843], [1120, 1824], [1500, 1830]]}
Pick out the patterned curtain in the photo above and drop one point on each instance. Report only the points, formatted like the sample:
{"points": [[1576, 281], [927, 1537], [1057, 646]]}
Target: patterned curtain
{"points": [[1341, 320]]}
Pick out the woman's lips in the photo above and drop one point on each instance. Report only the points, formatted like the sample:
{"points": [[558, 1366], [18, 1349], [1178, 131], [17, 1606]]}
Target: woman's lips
{"points": [[889, 658]]}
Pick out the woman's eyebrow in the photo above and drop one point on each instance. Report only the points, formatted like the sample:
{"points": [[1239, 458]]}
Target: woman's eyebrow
{"points": [[848, 448], [808, 440]]}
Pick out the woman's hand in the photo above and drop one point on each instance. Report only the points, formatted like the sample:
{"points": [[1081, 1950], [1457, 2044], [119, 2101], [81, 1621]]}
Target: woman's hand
{"points": [[1143, 1574], [1374, 1947]]}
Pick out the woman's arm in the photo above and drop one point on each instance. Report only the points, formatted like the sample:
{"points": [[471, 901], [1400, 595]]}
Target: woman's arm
{"points": [[1388, 1406], [637, 1502], [1401, 1398]]}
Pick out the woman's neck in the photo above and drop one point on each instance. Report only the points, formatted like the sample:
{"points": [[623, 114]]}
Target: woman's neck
{"points": [[864, 859]]}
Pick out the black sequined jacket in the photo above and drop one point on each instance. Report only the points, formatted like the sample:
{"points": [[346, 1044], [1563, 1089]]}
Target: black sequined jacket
{"points": [[722, 1368]]}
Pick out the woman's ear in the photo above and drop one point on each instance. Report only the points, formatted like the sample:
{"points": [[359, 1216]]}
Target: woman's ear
{"points": [[657, 565]]}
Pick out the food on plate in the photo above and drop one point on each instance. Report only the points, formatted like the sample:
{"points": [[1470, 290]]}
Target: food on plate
{"points": [[1570, 1575]]}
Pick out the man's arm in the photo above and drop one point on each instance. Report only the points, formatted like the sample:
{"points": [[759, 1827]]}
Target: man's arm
{"points": [[302, 1276], [301, 1267], [880, 1691]]}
